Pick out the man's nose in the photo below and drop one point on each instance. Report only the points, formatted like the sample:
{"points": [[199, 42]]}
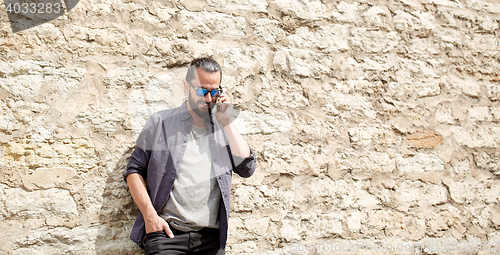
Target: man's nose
{"points": [[208, 97]]}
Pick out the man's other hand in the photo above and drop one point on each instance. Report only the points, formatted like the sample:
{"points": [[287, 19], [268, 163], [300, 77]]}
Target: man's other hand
{"points": [[157, 224]]}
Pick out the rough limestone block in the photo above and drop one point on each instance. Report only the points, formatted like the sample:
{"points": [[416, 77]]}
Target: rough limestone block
{"points": [[347, 12], [490, 195], [290, 229], [240, 7], [245, 247], [385, 220], [471, 88], [354, 220], [495, 111], [489, 160], [448, 3], [485, 44], [462, 168], [325, 187], [303, 9], [7, 122], [406, 90], [416, 21], [488, 6], [378, 64], [20, 204], [325, 225], [378, 16], [301, 63], [353, 104], [243, 61], [269, 30], [493, 91], [420, 163], [254, 123], [487, 23], [371, 161], [126, 77], [451, 38], [63, 150], [342, 194], [480, 136], [364, 135], [258, 226], [422, 47], [54, 240], [247, 198], [314, 226], [213, 23], [495, 215], [101, 40], [373, 41], [425, 139], [296, 159], [47, 178], [14, 149], [463, 192], [479, 113], [364, 200], [331, 38], [410, 194]]}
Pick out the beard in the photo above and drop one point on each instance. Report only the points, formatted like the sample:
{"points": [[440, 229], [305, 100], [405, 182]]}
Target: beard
{"points": [[195, 106]]}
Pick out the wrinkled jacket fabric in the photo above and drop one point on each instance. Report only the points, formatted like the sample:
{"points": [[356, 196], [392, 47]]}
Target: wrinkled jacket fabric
{"points": [[158, 155]]}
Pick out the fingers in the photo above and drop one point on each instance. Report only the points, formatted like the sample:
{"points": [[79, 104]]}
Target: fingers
{"points": [[153, 225], [167, 230], [225, 106], [223, 99], [159, 224], [221, 108]]}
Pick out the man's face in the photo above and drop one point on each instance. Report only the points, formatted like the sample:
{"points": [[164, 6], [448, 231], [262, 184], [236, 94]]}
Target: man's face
{"points": [[206, 80]]}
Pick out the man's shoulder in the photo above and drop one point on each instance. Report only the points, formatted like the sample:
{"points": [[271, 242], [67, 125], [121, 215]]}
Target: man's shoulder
{"points": [[167, 114]]}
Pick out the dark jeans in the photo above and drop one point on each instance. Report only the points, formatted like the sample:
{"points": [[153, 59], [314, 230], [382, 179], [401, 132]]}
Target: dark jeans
{"points": [[203, 242]]}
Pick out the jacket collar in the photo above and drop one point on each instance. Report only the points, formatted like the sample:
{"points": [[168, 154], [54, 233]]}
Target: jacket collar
{"points": [[184, 112]]}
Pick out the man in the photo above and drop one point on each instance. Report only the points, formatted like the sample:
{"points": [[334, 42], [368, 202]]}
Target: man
{"points": [[179, 174]]}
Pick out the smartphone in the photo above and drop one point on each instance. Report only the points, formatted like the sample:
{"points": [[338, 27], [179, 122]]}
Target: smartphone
{"points": [[217, 102]]}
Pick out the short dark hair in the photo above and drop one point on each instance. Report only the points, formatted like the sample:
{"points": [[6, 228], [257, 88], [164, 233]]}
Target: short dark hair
{"points": [[207, 64]]}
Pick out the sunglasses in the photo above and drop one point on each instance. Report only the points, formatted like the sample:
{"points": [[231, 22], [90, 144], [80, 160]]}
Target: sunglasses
{"points": [[203, 92]]}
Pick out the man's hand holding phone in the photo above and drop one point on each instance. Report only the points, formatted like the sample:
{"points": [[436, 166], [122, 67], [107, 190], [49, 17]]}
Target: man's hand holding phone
{"points": [[224, 110]]}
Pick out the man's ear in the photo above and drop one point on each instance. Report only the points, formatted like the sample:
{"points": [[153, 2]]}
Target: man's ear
{"points": [[186, 87]]}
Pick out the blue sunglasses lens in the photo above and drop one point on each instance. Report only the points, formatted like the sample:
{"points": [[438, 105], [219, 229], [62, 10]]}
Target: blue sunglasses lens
{"points": [[203, 92], [215, 93]]}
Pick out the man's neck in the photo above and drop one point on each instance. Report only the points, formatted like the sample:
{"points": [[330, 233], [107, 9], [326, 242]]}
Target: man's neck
{"points": [[199, 122]]}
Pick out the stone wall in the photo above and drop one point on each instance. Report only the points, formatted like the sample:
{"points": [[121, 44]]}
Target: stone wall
{"points": [[374, 121]]}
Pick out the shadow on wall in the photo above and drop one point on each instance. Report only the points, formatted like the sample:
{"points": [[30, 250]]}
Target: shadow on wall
{"points": [[117, 213], [25, 14]]}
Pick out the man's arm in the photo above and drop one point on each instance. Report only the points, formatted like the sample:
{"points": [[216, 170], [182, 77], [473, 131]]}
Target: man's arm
{"points": [[243, 157], [224, 115], [136, 173], [238, 145], [153, 222]]}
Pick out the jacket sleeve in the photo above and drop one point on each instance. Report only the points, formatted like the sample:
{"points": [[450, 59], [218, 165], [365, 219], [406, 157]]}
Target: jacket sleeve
{"points": [[245, 167], [138, 161]]}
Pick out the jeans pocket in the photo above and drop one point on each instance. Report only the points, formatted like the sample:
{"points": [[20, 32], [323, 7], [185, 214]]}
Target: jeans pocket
{"points": [[153, 234], [152, 242]]}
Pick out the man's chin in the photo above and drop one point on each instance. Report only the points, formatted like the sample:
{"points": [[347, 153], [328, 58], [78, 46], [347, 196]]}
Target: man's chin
{"points": [[201, 112]]}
